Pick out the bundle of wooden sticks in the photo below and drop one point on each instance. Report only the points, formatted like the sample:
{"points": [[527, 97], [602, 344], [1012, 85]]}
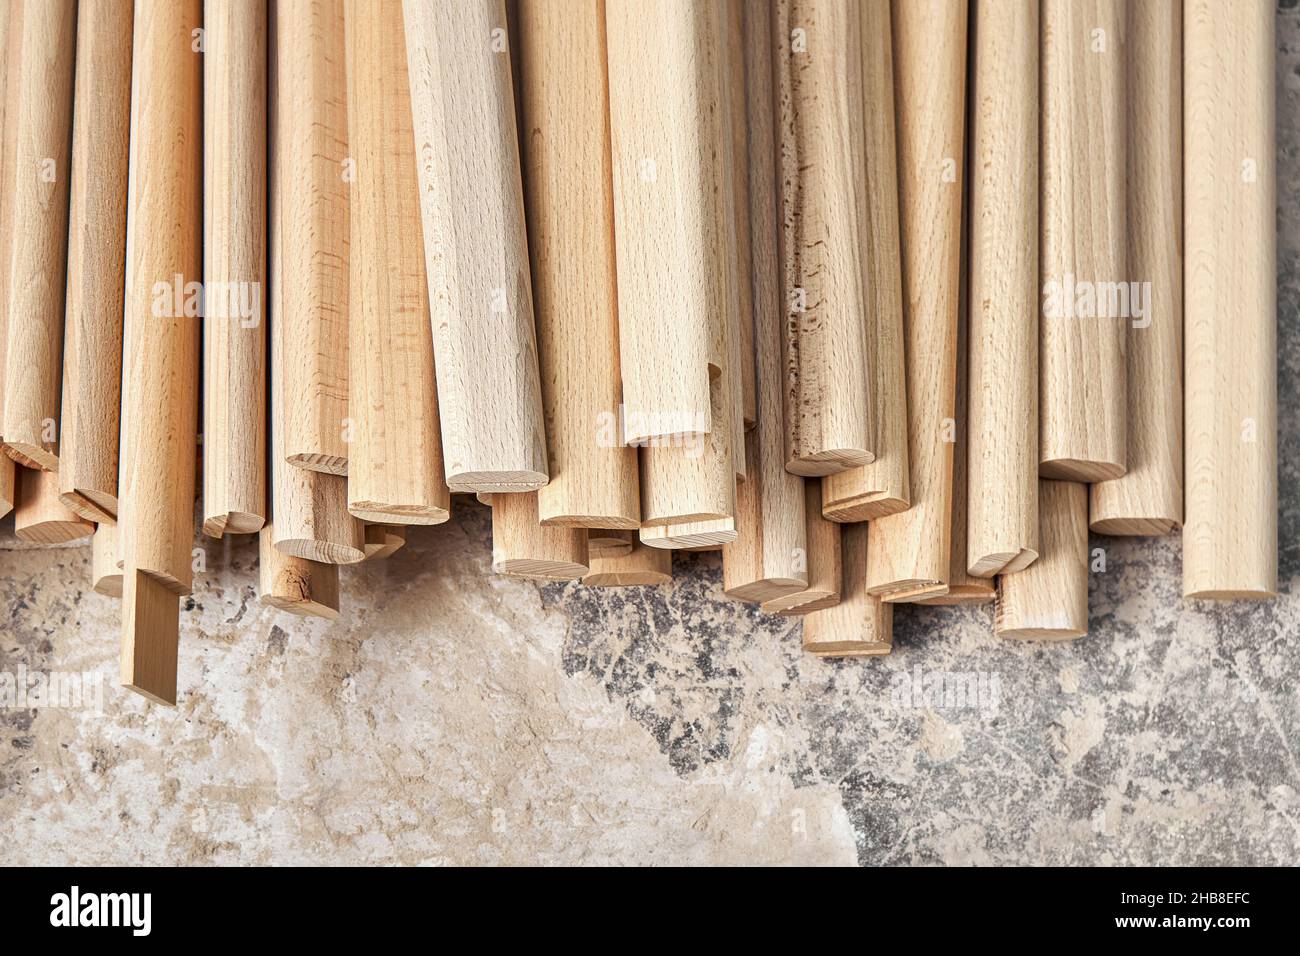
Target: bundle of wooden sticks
{"points": [[890, 302]]}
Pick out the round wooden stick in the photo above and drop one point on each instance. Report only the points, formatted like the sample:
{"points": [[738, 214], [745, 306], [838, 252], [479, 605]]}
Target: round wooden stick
{"points": [[395, 464], [309, 201], [382, 540], [293, 584], [8, 144], [105, 575], [1048, 601], [523, 547], [38, 119], [1002, 503], [1148, 499], [737, 68], [1230, 192], [594, 480], [160, 380], [40, 516], [821, 563], [1082, 373], [883, 486], [475, 246], [860, 624], [911, 552], [609, 543], [665, 98], [641, 566], [92, 345], [821, 101], [691, 478], [234, 268]]}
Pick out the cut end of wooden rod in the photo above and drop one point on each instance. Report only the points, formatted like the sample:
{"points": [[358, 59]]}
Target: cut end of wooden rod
{"points": [[1002, 562], [324, 552], [233, 522], [768, 589], [96, 506], [909, 592], [543, 570], [962, 594], [32, 456], [494, 481], [1073, 469], [56, 531], [1134, 527], [326, 464], [801, 602], [707, 534], [863, 508], [596, 523], [644, 567], [150, 635], [383, 540], [848, 648], [379, 512], [1243, 594], [1043, 633], [610, 542], [829, 462]]}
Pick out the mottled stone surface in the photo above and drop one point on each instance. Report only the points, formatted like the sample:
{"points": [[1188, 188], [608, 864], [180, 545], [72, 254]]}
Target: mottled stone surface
{"points": [[457, 717]]}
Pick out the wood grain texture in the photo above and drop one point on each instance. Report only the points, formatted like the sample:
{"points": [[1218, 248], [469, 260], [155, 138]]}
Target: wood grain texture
{"points": [[962, 586], [309, 200], [523, 547], [234, 267], [1002, 503], [8, 143], [703, 535], [40, 516], [1148, 498], [160, 380], [569, 198], [691, 478], [1048, 601], [610, 542], [384, 540], [288, 583], [475, 246], [92, 343], [105, 575], [643, 565], [8, 485], [860, 624], [395, 464], [818, 65], [911, 550], [883, 486], [665, 96], [738, 69], [38, 118], [771, 530], [1082, 368], [821, 562], [1230, 319]]}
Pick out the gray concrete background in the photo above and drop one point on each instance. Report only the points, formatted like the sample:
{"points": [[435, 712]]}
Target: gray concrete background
{"points": [[454, 716]]}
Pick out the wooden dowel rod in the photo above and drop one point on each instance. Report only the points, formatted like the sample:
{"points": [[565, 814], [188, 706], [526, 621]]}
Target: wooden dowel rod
{"points": [[741, 179], [395, 464], [292, 584], [475, 246], [569, 194], [92, 343], [1082, 371], [310, 176], [1230, 192], [861, 624], [1148, 498], [824, 161], [8, 485], [161, 351], [1048, 601], [883, 486], [105, 575], [383, 540], [691, 478], [911, 552], [523, 547], [963, 587], [670, 239], [1002, 499], [8, 144], [40, 516], [768, 557], [821, 564], [38, 121], [234, 268], [610, 543], [642, 565]]}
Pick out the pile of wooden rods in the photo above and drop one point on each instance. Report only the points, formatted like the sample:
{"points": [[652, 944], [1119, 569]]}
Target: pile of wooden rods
{"points": [[889, 302]]}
